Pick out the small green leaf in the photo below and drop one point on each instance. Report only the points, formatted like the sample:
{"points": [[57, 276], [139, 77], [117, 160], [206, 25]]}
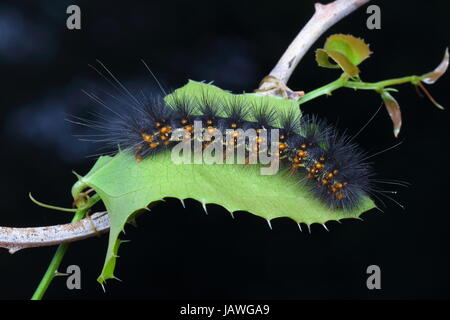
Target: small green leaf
{"points": [[322, 58], [347, 51], [354, 49]]}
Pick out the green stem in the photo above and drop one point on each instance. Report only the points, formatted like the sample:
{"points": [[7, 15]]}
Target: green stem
{"points": [[52, 269], [377, 86], [345, 82], [325, 90]]}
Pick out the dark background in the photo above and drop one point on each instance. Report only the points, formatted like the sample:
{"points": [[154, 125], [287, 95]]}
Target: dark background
{"points": [[183, 253]]}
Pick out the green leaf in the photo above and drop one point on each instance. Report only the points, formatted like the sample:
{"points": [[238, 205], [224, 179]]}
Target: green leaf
{"points": [[347, 51], [127, 186], [322, 58], [197, 89], [354, 49]]}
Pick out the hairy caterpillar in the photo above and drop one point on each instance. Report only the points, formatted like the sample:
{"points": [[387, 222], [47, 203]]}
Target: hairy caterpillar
{"points": [[329, 163]]}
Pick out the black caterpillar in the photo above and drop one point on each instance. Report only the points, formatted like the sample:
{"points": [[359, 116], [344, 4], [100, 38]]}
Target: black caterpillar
{"points": [[331, 164]]}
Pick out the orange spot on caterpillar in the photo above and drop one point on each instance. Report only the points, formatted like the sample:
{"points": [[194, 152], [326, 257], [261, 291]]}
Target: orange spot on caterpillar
{"points": [[165, 129], [319, 165], [302, 154], [146, 137], [339, 185], [339, 196]]}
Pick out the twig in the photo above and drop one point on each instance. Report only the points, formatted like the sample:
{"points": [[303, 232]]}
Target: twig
{"points": [[15, 239], [324, 17]]}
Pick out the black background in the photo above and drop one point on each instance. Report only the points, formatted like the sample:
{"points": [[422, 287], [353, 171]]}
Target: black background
{"points": [[183, 253]]}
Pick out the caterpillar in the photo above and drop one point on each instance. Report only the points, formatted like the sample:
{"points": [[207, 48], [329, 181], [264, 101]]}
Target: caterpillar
{"points": [[328, 162]]}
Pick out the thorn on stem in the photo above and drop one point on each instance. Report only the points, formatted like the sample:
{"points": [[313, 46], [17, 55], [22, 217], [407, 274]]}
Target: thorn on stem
{"points": [[60, 274]]}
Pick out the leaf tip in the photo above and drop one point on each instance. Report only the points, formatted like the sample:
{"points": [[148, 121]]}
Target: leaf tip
{"points": [[433, 76], [429, 96], [393, 109]]}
